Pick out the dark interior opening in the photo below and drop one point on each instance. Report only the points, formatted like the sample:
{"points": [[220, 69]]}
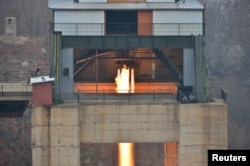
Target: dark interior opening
{"points": [[121, 22]]}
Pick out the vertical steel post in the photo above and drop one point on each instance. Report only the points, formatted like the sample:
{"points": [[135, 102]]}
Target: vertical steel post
{"points": [[2, 90], [96, 72], [200, 69], [56, 62]]}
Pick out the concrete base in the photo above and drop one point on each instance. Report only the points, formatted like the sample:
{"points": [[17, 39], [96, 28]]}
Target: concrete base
{"points": [[57, 132]]}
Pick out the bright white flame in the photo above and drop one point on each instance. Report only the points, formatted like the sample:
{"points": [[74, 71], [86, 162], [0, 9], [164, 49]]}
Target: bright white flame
{"points": [[132, 83], [126, 154], [123, 83]]}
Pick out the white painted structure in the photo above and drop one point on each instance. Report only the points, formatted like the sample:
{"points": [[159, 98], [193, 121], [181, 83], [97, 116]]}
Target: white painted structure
{"points": [[91, 1], [41, 79], [177, 23], [80, 22], [84, 1]]}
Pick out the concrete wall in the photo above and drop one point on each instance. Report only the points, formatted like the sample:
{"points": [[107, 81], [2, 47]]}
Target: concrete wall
{"points": [[202, 127], [57, 132], [129, 123], [55, 136]]}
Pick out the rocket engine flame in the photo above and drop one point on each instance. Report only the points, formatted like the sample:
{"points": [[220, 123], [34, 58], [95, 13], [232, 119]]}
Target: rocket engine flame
{"points": [[126, 154], [125, 80]]}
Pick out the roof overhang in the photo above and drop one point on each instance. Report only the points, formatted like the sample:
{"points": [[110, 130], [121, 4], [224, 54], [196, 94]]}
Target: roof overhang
{"points": [[70, 5], [35, 80]]}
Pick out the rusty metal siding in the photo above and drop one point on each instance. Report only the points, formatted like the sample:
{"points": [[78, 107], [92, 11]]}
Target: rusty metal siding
{"points": [[79, 22], [178, 23], [145, 19], [42, 94], [171, 153]]}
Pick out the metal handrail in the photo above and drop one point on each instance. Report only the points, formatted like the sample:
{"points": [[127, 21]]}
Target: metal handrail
{"points": [[156, 96], [15, 90], [155, 29], [210, 94]]}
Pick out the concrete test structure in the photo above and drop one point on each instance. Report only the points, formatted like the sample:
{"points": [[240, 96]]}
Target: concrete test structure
{"points": [[163, 41]]}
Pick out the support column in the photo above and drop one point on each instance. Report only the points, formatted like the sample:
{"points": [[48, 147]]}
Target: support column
{"points": [[66, 82], [188, 67], [200, 68], [55, 136], [40, 137], [64, 136], [55, 66], [202, 127]]}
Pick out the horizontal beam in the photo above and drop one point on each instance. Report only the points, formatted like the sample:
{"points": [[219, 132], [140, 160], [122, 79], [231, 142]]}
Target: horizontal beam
{"points": [[126, 42]]}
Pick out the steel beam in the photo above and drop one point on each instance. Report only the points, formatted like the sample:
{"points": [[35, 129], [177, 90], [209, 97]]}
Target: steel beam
{"points": [[170, 66], [126, 42], [200, 69]]}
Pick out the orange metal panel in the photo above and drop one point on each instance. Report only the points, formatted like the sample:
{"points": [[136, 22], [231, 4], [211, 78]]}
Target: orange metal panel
{"points": [[145, 23], [171, 154], [126, 1]]}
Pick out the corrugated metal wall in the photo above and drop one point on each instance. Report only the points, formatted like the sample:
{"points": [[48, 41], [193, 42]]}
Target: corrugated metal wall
{"points": [[128, 1], [177, 22], [165, 23], [121, 1], [92, 1], [177, 16], [145, 19], [80, 22]]}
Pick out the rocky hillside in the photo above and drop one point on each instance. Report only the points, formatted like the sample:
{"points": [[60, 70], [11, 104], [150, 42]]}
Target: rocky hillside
{"points": [[228, 58], [23, 55], [20, 58], [15, 139]]}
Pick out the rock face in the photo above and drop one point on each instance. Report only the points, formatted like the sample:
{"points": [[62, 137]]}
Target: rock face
{"points": [[23, 56]]}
